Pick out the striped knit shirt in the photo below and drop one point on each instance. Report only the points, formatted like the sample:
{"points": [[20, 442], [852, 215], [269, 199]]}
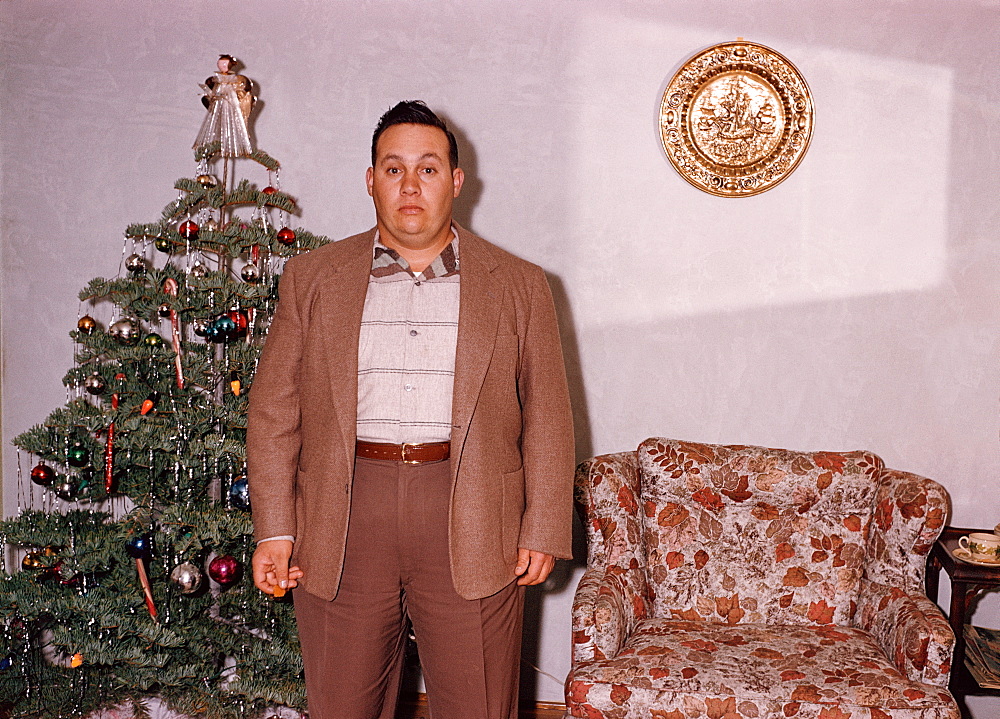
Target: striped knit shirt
{"points": [[406, 352]]}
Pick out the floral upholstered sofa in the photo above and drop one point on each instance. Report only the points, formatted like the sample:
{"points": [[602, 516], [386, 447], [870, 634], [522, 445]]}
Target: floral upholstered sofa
{"points": [[729, 582]]}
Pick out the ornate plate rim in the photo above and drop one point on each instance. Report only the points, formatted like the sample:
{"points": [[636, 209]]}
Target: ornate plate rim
{"points": [[670, 88]]}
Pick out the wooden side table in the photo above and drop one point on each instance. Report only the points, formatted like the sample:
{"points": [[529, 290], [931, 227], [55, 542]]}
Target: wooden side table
{"points": [[967, 580]]}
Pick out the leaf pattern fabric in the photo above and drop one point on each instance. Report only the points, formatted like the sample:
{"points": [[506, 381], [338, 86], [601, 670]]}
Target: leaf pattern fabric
{"points": [[736, 581]]}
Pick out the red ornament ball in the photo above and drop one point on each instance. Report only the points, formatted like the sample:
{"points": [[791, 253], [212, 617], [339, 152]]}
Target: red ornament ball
{"points": [[286, 236], [269, 190], [224, 569], [188, 230], [42, 475], [240, 319]]}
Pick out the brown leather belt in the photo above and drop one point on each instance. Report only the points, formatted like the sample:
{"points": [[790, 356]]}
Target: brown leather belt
{"points": [[406, 452]]}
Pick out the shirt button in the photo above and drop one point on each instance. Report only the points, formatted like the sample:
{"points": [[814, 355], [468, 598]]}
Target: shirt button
{"points": [[417, 283], [413, 333], [408, 387]]}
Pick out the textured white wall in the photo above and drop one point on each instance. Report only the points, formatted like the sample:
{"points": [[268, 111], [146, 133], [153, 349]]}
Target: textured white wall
{"points": [[855, 305]]}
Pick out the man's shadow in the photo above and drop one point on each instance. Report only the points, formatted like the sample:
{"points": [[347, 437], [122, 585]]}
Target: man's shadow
{"points": [[472, 190], [564, 571], [463, 212]]}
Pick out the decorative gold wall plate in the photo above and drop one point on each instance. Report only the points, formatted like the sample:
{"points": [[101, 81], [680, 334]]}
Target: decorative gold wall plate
{"points": [[736, 119]]}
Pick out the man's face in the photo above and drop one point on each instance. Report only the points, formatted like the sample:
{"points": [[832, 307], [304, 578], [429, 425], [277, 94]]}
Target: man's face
{"points": [[413, 185]]}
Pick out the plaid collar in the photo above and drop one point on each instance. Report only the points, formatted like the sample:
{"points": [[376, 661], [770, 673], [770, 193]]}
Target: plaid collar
{"points": [[387, 262]]}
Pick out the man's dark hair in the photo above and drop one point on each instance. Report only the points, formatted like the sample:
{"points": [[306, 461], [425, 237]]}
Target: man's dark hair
{"points": [[414, 112]]}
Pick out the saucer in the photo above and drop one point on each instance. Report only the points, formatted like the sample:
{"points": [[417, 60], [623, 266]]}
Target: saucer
{"points": [[965, 556]]}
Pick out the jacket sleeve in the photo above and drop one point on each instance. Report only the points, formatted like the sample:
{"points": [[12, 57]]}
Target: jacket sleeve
{"points": [[547, 446], [274, 419]]}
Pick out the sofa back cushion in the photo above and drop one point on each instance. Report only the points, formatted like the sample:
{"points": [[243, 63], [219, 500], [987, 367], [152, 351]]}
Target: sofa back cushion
{"points": [[744, 534]]}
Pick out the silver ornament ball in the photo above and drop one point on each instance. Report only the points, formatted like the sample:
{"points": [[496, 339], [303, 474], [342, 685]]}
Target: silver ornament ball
{"points": [[125, 331], [187, 578], [250, 273], [95, 384], [200, 326], [198, 270], [66, 491], [136, 264]]}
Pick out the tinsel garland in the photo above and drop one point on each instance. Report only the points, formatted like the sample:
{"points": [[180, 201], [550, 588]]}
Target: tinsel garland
{"points": [[161, 432]]}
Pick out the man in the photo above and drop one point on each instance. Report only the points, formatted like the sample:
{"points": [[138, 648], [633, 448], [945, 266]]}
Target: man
{"points": [[410, 445]]}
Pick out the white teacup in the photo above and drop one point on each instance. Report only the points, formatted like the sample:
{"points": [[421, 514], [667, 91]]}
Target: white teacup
{"points": [[982, 546]]}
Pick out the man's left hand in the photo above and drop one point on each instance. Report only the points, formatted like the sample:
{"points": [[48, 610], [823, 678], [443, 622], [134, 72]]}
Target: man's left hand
{"points": [[533, 567]]}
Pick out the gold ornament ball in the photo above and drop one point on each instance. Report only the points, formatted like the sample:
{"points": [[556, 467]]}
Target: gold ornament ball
{"points": [[153, 340], [86, 324], [210, 224], [207, 181]]}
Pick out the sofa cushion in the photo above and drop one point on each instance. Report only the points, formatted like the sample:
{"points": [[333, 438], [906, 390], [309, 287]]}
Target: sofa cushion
{"points": [[742, 534], [681, 669]]}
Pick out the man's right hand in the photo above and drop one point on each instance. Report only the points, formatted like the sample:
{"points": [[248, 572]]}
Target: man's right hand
{"points": [[270, 567]]}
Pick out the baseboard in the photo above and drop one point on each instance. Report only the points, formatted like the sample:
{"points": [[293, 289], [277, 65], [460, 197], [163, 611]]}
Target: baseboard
{"points": [[414, 706]]}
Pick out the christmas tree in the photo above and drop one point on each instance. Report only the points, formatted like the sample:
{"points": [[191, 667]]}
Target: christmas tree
{"points": [[130, 575]]}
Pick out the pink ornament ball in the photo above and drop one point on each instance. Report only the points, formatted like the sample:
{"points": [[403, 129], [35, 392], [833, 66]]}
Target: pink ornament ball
{"points": [[224, 569]]}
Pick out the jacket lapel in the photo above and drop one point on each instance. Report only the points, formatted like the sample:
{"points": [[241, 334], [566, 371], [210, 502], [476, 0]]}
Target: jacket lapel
{"points": [[339, 306], [478, 317]]}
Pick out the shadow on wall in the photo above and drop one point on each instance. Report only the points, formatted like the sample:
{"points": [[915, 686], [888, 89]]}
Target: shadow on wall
{"points": [[564, 571], [464, 209], [472, 190]]}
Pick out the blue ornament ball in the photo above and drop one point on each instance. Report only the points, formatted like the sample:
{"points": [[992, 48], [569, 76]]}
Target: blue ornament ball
{"points": [[212, 333], [140, 546], [5, 664], [239, 493], [223, 329]]}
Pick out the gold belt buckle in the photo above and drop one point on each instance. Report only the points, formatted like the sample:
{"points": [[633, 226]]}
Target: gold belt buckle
{"points": [[407, 445]]}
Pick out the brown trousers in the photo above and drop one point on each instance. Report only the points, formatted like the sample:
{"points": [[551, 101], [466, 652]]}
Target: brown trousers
{"points": [[397, 568]]}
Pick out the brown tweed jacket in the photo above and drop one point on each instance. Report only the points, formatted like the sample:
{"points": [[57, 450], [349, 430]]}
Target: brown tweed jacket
{"points": [[512, 433]]}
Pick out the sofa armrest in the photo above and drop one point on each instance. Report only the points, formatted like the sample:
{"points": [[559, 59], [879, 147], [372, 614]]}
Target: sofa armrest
{"points": [[607, 606], [910, 629]]}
